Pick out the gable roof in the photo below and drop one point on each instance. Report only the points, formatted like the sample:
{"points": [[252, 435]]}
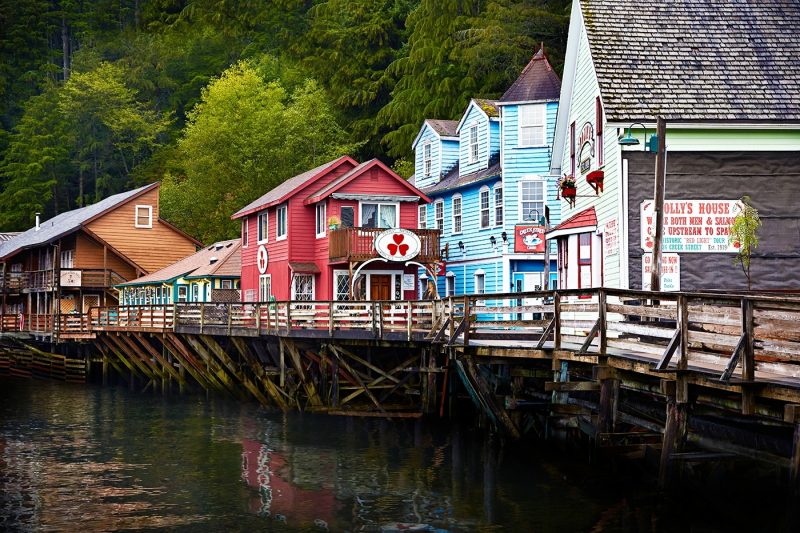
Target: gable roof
{"points": [[67, 222], [445, 129], [453, 181], [488, 108], [687, 60], [580, 222], [283, 191], [537, 82], [228, 264], [348, 177]]}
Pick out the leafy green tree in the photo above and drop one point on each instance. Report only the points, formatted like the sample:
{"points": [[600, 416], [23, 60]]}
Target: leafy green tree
{"points": [[112, 131], [245, 137], [38, 154], [743, 236]]}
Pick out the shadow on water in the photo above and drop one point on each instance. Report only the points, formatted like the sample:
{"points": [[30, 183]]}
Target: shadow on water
{"points": [[105, 459]]}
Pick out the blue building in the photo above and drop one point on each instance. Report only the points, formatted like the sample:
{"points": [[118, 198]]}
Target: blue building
{"points": [[488, 177]]}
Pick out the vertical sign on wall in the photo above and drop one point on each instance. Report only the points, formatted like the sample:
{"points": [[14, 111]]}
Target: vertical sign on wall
{"points": [[670, 272]]}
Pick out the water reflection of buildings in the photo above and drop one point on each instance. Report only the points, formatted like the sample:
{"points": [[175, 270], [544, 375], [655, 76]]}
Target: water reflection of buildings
{"points": [[287, 491]]}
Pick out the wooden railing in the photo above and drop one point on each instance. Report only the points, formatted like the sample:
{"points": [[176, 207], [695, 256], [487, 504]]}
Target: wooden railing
{"points": [[13, 281], [357, 244], [39, 280], [45, 279]]}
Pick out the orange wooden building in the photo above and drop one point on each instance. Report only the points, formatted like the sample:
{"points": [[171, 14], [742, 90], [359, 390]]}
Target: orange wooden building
{"points": [[71, 262]]}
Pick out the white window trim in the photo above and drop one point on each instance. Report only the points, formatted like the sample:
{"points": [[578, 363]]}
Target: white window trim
{"points": [[422, 216], [245, 232], [395, 274], [396, 211], [264, 214], [285, 209], [543, 125], [488, 192], [185, 288], [149, 216], [437, 203], [498, 185], [321, 222], [453, 214], [525, 179], [336, 275], [472, 157], [268, 277], [448, 277], [427, 159], [313, 286], [480, 272]]}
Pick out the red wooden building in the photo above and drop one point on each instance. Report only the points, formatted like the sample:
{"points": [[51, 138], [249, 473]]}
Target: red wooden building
{"points": [[307, 238]]}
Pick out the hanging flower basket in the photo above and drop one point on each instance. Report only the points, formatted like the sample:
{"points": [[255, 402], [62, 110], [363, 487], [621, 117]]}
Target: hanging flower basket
{"points": [[595, 179], [568, 189]]}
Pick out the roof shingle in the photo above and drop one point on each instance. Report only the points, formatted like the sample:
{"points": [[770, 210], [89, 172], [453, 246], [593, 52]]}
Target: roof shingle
{"points": [[536, 82]]}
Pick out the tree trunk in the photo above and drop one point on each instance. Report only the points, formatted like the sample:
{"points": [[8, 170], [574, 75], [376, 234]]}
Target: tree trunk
{"points": [[80, 186], [65, 47]]}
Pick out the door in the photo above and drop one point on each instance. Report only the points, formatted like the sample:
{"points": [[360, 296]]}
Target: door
{"points": [[529, 282], [380, 287]]}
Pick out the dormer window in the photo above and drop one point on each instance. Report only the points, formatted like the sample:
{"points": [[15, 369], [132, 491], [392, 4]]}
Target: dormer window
{"points": [[473, 144], [144, 216], [532, 121], [426, 159]]}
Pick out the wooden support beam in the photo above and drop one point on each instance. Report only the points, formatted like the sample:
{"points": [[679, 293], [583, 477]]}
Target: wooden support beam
{"points": [[213, 369], [546, 333], [675, 432], [733, 362], [133, 348], [119, 348], [377, 381], [277, 395], [487, 398], [160, 358], [748, 356], [355, 375], [188, 363], [571, 386], [607, 408], [602, 304], [670, 350], [311, 390], [233, 369]]}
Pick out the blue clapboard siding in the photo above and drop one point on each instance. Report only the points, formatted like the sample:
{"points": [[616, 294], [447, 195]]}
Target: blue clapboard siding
{"points": [[444, 154], [488, 139]]}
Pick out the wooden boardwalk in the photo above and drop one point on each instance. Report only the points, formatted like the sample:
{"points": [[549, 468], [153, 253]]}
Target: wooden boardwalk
{"points": [[618, 365]]}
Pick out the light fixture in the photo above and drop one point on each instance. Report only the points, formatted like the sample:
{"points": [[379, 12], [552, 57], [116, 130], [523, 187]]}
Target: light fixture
{"points": [[461, 246], [492, 241], [504, 236], [650, 145]]}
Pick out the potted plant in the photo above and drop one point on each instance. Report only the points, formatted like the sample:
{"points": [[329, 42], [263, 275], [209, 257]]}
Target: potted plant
{"points": [[333, 222], [568, 188]]}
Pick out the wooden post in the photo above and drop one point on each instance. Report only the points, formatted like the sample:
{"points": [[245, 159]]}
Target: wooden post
{"points": [[674, 437], [601, 319], [661, 170], [410, 320], [748, 357], [682, 384], [557, 319], [282, 350], [467, 318]]}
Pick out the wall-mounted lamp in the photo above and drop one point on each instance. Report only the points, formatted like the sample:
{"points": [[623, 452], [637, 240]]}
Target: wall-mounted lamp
{"points": [[461, 246], [504, 236], [650, 145], [492, 241]]}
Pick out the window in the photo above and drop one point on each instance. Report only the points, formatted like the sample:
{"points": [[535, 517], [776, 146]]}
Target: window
{"points": [[244, 232], [484, 207], [422, 223], [144, 216], [66, 258], [498, 205], [226, 284], [480, 285], [341, 284], [426, 159], [322, 219], [563, 261], [263, 227], [280, 215], [264, 287], [473, 144], [195, 292], [450, 285], [572, 149], [438, 214], [348, 216], [531, 200], [598, 122], [532, 121], [303, 287], [457, 213], [379, 215], [585, 260], [183, 292]]}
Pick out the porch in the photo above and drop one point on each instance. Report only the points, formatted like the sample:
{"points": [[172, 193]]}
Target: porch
{"points": [[358, 244]]}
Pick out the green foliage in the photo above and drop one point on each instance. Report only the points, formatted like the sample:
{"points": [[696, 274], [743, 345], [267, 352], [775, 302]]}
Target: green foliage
{"points": [[743, 235], [245, 137]]}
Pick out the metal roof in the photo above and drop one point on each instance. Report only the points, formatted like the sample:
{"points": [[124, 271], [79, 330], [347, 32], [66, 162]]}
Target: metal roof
{"points": [[221, 259]]}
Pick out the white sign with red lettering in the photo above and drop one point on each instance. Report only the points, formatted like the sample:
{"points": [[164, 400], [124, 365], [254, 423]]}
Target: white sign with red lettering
{"points": [[397, 244], [670, 271], [611, 237], [695, 226]]}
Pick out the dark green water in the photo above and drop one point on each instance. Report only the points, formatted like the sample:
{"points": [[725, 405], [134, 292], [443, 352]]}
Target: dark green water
{"points": [[86, 458]]}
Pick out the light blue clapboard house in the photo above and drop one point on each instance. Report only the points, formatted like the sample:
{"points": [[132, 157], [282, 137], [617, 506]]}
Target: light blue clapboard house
{"points": [[488, 177]]}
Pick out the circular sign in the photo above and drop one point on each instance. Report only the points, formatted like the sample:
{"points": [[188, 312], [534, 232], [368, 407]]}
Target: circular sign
{"points": [[263, 259], [397, 244]]}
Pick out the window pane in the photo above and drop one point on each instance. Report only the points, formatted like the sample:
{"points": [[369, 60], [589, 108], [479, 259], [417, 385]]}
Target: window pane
{"points": [[532, 200], [348, 217], [423, 213], [369, 215], [498, 205], [388, 216]]}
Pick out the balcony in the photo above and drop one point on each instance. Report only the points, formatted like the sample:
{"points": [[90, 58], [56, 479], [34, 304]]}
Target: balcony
{"points": [[357, 244], [13, 282], [45, 280]]}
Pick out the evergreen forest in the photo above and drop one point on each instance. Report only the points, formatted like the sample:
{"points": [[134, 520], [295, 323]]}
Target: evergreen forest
{"points": [[221, 100]]}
